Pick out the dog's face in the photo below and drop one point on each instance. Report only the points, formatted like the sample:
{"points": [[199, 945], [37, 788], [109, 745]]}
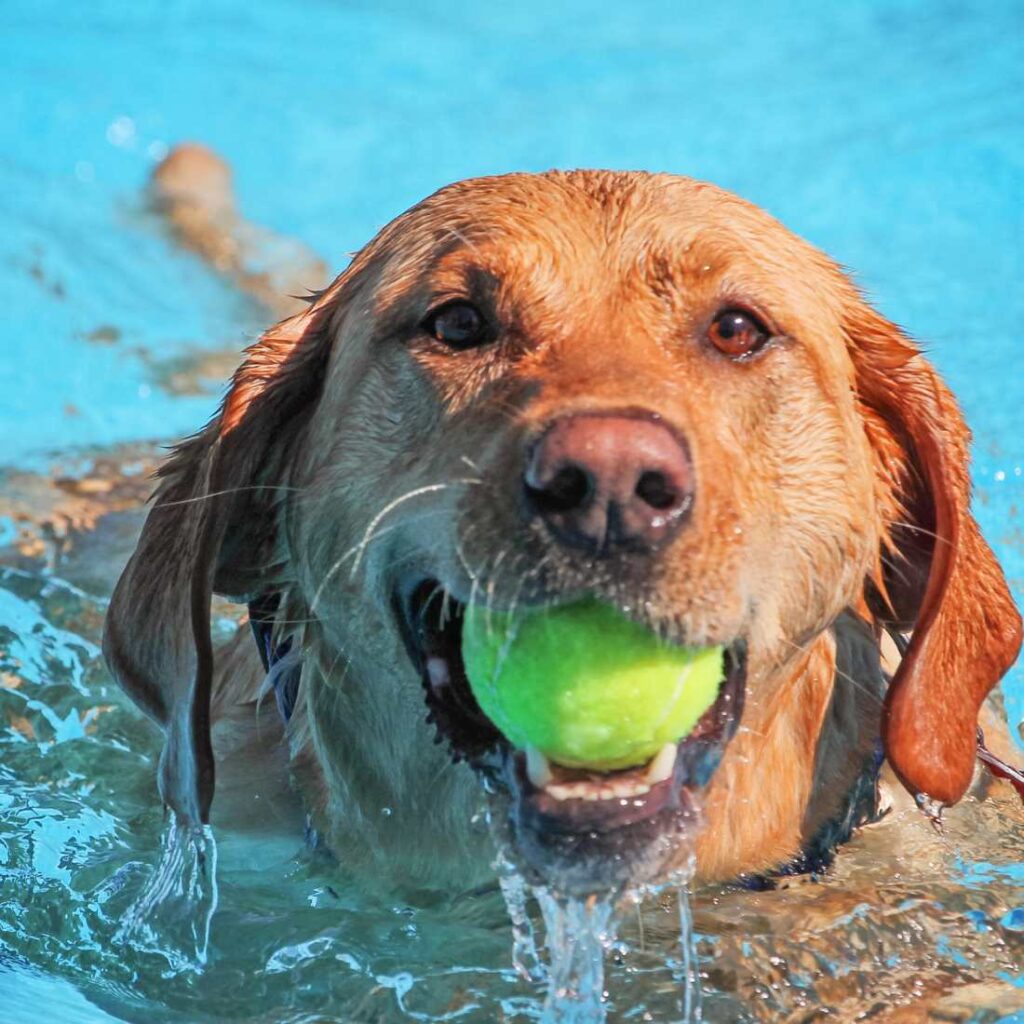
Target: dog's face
{"points": [[682, 331], [530, 390], [525, 361]]}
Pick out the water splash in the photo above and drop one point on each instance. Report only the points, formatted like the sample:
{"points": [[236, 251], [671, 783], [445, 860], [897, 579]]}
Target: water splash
{"points": [[579, 932], [525, 957], [171, 916]]}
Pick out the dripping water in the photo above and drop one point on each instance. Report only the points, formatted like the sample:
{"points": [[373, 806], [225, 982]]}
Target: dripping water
{"points": [[171, 916], [579, 931], [525, 957], [690, 981]]}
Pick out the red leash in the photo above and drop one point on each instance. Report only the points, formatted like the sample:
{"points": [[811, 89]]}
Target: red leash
{"points": [[999, 768]]}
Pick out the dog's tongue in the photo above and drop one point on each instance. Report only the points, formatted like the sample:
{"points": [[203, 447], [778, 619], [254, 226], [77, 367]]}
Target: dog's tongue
{"points": [[584, 686]]}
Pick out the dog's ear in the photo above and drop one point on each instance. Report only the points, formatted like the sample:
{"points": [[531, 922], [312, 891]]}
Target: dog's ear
{"points": [[937, 575], [211, 529]]}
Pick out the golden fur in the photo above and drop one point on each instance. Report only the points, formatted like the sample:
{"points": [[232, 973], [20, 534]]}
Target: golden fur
{"points": [[833, 504]]}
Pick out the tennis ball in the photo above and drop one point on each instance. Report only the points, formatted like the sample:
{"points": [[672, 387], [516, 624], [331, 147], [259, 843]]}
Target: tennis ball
{"points": [[586, 686]]}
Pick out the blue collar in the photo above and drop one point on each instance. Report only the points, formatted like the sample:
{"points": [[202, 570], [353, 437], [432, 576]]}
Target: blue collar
{"points": [[283, 676]]}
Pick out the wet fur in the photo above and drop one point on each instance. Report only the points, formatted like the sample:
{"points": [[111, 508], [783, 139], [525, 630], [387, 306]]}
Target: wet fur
{"points": [[348, 445]]}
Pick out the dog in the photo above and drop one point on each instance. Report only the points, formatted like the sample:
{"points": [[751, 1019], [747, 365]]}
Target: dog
{"points": [[529, 390]]}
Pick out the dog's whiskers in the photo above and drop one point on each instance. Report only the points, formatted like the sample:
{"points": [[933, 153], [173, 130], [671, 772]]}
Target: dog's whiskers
{"points": [[915, 528], [416, 492], [492, 584], [856, 683], [523, 578], [461, 537], [220, 494], [469, 243], [372, 533]]}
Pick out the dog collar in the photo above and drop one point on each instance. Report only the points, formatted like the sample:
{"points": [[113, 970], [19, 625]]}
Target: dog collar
{"points": [[283, 676]]}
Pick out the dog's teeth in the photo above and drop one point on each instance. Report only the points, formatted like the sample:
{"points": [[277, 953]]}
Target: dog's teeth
{"points": [[619, 789], [637, 788], [558, 792], [630, 786], [664, 763], [437, 671], [538, 770]]}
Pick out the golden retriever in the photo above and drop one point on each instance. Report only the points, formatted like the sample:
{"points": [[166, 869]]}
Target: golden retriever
{"points": [[534, 388]]}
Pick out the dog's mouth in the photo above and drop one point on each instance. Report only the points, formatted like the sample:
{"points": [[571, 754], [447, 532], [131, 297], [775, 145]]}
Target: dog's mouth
{"points": [[580, 829]]}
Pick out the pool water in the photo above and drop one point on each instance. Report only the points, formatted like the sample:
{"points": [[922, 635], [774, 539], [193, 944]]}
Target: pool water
{"points": [[888, 133]]}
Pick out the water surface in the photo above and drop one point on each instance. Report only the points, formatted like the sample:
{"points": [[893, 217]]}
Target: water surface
{"points": [[889, 133]]}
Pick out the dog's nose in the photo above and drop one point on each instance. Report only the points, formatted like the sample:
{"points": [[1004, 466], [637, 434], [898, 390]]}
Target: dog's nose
{"points": [[606, 481]]}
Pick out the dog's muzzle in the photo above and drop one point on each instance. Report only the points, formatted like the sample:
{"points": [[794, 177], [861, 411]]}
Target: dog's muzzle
{"points": [[577, 830]]}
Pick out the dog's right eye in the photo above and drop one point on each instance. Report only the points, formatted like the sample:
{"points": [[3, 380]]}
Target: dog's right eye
{"points": [[458, 325]]}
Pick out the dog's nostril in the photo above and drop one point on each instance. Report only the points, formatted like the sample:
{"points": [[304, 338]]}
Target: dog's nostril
{"points": [[655, 490], [570, 488], [608, 482]]}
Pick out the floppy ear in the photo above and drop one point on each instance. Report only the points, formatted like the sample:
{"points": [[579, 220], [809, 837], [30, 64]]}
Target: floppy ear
{"points": [[938, 576], [211, 528]]}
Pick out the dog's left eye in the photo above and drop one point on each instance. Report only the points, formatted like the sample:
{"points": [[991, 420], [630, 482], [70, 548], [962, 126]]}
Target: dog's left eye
{"points": [[737, 333], [457, 324]]}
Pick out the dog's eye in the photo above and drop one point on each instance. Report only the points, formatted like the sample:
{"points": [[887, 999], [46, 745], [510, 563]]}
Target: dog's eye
{"points": [[736, 333], [458, 325]]}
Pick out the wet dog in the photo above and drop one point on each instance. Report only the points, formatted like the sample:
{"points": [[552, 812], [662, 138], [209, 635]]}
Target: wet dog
{"points": [[532, 389]]}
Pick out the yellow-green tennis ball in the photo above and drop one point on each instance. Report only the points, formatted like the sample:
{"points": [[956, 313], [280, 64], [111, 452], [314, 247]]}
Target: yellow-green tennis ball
{"points": [[586, 686]]}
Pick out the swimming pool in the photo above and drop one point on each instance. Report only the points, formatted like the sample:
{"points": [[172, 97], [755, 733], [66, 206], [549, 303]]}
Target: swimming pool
{"points": [[887, 133]]}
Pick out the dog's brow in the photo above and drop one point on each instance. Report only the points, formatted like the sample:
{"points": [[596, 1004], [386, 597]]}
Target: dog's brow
{"points": [[660, 272], [669, 263], [398, 309]]}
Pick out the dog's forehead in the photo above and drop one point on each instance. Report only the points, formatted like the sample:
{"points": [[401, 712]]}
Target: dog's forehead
{"points": [[582, 227]]}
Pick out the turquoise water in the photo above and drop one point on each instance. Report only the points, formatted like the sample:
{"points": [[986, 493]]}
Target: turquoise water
{"points": [[888, 133]]}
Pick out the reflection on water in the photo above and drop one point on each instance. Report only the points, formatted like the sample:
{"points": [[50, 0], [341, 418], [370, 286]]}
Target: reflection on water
{"points": [[87, 895]]}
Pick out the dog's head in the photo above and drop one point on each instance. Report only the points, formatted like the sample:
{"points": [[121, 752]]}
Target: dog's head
{"points": [[532, 389]]}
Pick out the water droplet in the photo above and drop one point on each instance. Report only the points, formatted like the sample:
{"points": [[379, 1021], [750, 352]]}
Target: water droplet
{"points": [[121, 131]]}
